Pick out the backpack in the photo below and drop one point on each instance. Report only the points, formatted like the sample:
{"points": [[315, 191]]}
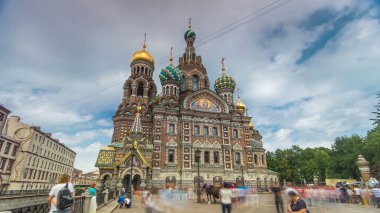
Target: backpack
{"points": [[64, 198]]}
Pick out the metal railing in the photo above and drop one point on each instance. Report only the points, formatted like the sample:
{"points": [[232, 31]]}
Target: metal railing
{"points": [[100, 198], [23, 192], [41, 208], [111, 195], [79, 204]]}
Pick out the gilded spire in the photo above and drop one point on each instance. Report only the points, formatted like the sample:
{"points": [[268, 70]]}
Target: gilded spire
{"points": [[171, 55], [144, 45], [240, 106], [190, 23], [223, 68]]}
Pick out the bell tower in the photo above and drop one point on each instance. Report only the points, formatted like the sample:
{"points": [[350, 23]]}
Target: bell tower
{"points": [[190, 64]]}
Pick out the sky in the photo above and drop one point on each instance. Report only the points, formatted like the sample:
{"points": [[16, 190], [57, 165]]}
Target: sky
{"points": [[307, 70]]}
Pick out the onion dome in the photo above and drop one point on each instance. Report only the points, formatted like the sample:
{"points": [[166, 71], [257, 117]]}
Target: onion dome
{"points": [[171, 73], [189, 33], [224, 82], [240, 106], [250, 125], [143, 55]]}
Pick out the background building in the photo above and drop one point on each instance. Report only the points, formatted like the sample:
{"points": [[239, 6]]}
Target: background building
{"points": [[8, 151], [80, 178], [41, 159], [158, 138]]}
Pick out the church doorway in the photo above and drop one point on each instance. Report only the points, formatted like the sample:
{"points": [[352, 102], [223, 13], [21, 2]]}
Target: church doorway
{"points": [[126, 181], [136, 181]]}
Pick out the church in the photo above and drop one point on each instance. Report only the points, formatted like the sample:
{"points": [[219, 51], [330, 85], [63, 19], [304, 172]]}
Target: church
{"points": [[164, 140]]}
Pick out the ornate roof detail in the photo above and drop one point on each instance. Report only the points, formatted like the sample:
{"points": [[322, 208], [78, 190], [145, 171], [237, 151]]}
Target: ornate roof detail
{"points": [[136, 126], [207, 144], [171, 143], [105, 158], [197, 144], [217, 145], [171, 73], [237, 147], [224, 82]]}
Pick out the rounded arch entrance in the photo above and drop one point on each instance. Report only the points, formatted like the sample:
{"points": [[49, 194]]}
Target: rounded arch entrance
{"points": [[170, 182], [137, 176]]}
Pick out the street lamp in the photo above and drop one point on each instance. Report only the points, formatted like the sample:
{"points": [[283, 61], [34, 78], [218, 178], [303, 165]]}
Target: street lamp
{"points": [[242, 174], [198, 159], [130, 176]]}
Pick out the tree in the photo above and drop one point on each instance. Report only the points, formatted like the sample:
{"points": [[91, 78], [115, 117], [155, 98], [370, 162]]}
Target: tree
{"points": [[376, 120]]}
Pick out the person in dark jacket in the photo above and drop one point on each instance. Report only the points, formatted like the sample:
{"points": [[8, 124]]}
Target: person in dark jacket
{"points": [[296, 205]]}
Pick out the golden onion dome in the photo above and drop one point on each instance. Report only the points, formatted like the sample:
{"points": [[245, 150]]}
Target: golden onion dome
{"points": [[250, 125], [143, 55], [240, 106]]}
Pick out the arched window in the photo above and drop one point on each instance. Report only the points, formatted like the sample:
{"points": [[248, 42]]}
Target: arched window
{"points": [[171, 90], [182, 85], [175, 90], [140, 89], [195, 82], [167, 90], [255, 156], [262, 159]]}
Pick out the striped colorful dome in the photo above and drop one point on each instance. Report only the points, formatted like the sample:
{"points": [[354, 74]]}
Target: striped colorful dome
{"points": [[170, 73], [190, 34], [224, 82]]}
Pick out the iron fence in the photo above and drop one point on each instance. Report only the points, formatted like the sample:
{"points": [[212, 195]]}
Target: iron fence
{"points": [[100, 198], [41, 208], [23, 192], [79, 204], [111, 195]]}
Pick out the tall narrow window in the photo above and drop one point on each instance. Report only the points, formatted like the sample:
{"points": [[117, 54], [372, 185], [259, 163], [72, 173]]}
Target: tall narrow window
{"points": [[15, 148], [214, 131], [216, 157], [207, 157], [171, 129], [205, 130], [255, 156], [237, 158], [140, 89], [7, 148], [182, 85], [236, 134], [195, 82], [171, 155], [1, 144], [196, 130]]}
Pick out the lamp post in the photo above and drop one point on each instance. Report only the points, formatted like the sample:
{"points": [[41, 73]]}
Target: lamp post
{"points": [[198, 159], [242, 174], [130, 176]]}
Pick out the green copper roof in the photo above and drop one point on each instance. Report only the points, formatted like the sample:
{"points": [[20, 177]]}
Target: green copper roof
{"points": [[190, 34]]}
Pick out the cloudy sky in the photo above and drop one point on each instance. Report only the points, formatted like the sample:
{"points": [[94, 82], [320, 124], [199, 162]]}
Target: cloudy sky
{"points": [[308, 70]]}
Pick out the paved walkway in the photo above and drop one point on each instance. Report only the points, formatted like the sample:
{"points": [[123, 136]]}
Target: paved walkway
{"points": [[108, 208], [266, 205]]}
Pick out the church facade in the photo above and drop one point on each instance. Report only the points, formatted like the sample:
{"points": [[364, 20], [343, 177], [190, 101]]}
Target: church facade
{"points": [[162, 140]]}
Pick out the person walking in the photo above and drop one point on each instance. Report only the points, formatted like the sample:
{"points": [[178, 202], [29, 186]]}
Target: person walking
{"points": [[296, 205], [92, 192], [61, 196], [376, 196], [276, 189], [225, 198]]}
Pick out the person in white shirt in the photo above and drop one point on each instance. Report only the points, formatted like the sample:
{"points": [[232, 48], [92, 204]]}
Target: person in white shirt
{"points": [[225, 198], [53, 194], [358, 198]]}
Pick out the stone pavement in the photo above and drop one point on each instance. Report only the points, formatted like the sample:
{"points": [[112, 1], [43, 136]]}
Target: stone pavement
{"points": [[109, 207], [266, 205]]}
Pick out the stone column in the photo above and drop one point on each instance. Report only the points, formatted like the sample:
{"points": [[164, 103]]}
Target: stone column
{"points": [[86, 203], [363, 165]]}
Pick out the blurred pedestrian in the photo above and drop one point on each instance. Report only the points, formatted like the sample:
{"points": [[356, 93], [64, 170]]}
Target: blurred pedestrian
{"points": [[225, 198], [296, 205], [276, 189]]}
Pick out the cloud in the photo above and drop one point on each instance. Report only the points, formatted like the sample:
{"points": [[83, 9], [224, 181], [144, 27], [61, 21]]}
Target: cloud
{"points": [[86, 156], [83, 137]]}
